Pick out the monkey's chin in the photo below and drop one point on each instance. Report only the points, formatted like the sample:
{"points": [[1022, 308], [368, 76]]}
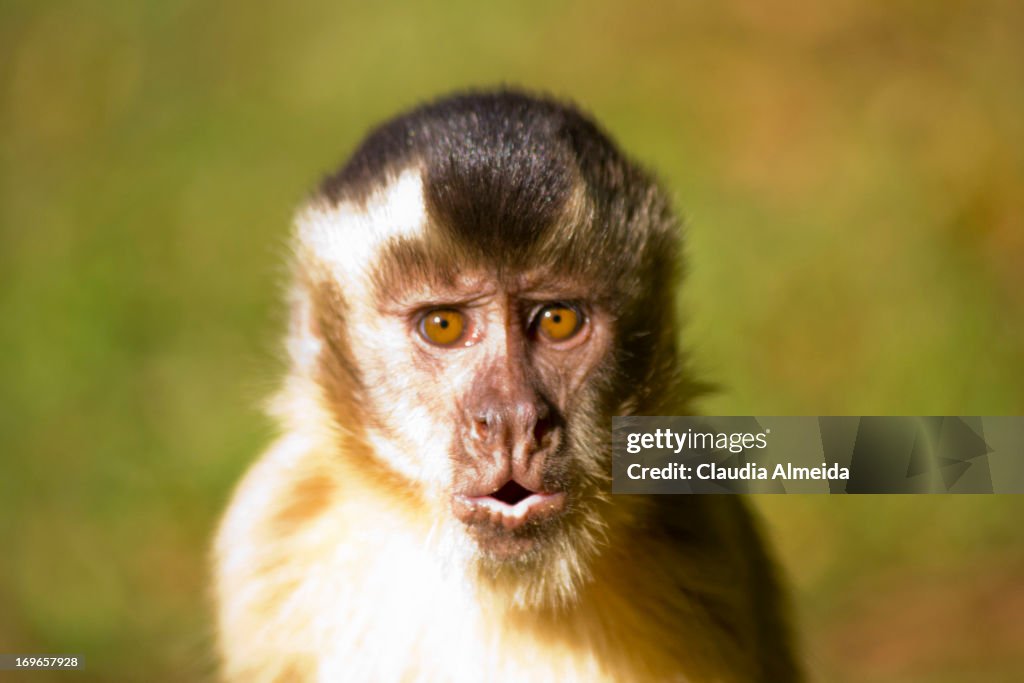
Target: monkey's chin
{"points": [[524, 544], [538, 565]]}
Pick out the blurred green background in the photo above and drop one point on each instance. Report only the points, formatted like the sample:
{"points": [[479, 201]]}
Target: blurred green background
{"points": [[853, 177]]}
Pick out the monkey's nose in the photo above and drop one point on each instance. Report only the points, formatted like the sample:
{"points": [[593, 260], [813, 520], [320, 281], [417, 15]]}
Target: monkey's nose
{"points": [[513, 422]]}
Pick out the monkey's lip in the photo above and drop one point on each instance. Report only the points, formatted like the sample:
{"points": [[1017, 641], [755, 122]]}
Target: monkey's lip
{"points": [[510, 506]]}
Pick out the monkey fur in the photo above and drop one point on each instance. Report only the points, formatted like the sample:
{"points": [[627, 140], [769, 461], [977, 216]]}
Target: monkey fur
{"points": [[442, 511]]}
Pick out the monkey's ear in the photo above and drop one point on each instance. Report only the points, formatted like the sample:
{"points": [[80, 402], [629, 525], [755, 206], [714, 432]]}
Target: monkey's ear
{"points": [[304, 335]]}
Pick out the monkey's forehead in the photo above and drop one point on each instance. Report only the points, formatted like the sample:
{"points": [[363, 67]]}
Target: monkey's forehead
{"points": [[389, 245]]}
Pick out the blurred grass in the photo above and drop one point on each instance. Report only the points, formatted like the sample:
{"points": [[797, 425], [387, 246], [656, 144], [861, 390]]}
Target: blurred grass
{"points": [[851, 173]]}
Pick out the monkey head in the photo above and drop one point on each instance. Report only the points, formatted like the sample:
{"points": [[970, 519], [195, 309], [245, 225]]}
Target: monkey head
{"points": [[478, 290]]}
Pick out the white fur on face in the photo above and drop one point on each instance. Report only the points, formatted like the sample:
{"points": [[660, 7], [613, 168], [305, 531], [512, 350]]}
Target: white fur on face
{"points": [[347, 238], [346, 242]]}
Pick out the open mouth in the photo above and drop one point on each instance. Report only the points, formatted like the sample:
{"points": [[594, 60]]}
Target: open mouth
{"points": [[510, 506]]}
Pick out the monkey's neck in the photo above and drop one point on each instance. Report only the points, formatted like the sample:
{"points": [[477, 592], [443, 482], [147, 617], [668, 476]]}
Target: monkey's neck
{"points": [[628, 607], [344, 584]]}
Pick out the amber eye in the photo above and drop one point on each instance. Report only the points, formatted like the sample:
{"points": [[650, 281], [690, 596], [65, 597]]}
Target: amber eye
{"points": [[443, 327], [558, 322]]}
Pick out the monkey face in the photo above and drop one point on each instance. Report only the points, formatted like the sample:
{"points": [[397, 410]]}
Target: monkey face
{"points": [[469, 304], [473, 381]]}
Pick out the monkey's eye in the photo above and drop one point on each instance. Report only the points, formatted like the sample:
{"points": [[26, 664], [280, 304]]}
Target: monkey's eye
{"points": [[558, 322], [442, 326]]}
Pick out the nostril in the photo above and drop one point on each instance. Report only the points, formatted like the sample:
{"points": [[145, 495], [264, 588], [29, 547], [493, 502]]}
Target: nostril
{"points": [[541, 429], [479, 425]]}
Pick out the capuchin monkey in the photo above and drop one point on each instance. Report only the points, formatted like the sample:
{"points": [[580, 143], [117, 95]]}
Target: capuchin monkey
{"points": [[475, 294]]}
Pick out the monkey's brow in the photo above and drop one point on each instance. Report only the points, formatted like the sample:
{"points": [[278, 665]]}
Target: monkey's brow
{"points": [[404, 288], [478, 292], [412, 272], [408, 266], [398, 302]]}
